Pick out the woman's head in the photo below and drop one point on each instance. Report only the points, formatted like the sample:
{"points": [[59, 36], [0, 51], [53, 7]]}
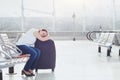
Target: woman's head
{"points": [[43, 32]]}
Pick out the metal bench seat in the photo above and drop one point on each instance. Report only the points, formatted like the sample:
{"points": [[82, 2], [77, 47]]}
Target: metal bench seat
{"points": [[10, 55], [106, 41]]}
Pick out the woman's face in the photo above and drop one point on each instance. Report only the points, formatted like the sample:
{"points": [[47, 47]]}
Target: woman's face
{"points": [[43, 33]]}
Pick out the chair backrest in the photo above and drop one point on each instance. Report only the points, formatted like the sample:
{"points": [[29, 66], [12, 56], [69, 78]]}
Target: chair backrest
{"points": [[101, 35], [4, 38], [9, 47], [105, 38], [100, 38], [111, 38]]}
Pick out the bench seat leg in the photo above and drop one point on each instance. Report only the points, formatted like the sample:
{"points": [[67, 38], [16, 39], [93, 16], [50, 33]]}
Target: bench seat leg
{"points": [[119, 52], [99, 49], [1, 77], [109, 51], [11, 71]]}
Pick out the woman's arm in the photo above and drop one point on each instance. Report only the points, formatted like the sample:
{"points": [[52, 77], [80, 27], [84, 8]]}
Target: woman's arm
{"points": [[37, 35]]}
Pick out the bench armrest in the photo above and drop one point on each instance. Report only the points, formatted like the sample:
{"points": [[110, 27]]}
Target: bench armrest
{"points": [[11, 49]]}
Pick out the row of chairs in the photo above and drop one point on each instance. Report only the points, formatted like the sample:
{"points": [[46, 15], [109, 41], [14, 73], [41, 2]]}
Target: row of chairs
{"points": [[10, 55], [105, 40], [9, 49]]}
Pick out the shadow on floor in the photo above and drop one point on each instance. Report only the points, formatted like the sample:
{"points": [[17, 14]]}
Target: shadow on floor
{"points": [[40, 76]]}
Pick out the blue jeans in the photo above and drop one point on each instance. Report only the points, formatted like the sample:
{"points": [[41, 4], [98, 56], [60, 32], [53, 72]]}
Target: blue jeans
{"points": [[34, 56]]}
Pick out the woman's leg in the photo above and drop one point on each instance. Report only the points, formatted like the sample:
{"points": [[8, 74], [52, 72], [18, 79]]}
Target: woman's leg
{"points": [[37, 58], [33, 55]]}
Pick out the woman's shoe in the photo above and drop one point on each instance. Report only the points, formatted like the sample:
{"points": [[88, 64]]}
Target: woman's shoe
{"points": [[31, 71], [32, 74], [26, 73]]}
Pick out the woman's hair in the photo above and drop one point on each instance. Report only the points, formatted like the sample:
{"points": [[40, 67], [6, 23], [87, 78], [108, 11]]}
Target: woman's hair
{"points": [[44, 30]]}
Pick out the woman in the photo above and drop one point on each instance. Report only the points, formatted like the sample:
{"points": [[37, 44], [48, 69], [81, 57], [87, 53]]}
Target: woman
{"points": [[26, 44]]}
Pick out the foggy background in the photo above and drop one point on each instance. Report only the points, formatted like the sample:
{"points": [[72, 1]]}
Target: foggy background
{"points": [[89, 15]]}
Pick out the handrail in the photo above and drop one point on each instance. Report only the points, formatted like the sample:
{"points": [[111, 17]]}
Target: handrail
{"points": [[89, 36]]}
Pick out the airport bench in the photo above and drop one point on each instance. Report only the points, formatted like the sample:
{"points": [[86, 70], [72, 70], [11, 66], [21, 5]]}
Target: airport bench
{"points": [[105, 40], [10, 55]]}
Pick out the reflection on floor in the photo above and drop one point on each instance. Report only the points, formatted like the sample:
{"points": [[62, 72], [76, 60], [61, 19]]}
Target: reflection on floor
{"points": [[77, 60], [39, 76]]}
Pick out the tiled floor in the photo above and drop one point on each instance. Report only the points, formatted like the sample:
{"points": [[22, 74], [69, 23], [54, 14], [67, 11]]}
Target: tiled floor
{"points": [[77, 60]]}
